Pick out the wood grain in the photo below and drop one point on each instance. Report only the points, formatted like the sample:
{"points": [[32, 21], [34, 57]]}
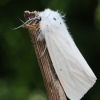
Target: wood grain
{"points": [[51, 81]]}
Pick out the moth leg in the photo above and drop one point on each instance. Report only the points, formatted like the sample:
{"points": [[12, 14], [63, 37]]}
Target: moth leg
{"points": [[35, 41], [43, 51], [40, 37], [37, 37], [36, 26]]}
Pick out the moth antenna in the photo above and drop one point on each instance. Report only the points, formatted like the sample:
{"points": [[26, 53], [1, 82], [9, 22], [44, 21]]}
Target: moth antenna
{"points": [[32, 19], [37, 17], [21, 20], [19, 27]]}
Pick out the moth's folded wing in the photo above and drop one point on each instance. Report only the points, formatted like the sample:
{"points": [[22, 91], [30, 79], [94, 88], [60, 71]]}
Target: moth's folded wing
{"points": [[72, 70]]}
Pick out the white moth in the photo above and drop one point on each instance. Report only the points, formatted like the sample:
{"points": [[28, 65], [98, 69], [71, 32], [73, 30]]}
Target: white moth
{"points": [[72, 70]]}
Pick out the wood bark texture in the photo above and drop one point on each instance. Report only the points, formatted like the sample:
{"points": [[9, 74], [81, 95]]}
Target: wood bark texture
{"points": [[51, 81]]}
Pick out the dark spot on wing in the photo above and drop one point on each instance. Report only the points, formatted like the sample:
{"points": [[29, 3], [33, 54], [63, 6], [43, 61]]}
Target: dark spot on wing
{"points": [[60, 22], [40, 18], [54, 19]]}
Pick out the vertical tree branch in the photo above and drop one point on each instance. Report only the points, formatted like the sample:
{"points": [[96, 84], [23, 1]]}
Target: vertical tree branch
{"points": [[51, 81]]}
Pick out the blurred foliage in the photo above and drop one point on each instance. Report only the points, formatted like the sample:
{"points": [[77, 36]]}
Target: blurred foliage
{"points": [[20, 76]]}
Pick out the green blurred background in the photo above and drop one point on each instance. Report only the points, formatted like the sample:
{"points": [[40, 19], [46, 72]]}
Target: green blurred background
{"points": [[20, 76]]}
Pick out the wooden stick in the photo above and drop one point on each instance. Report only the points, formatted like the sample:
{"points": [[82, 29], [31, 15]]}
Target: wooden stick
{"points": [[51, 81]]}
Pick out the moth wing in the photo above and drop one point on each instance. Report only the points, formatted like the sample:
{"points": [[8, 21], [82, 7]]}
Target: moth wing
{"points": [[72, 70]]}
